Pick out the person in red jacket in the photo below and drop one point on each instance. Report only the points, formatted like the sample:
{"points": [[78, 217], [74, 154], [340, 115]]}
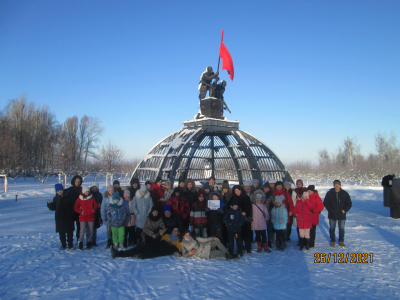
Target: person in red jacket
{"points": [[302, 212], [157, 193], [318, 207], [299, 190], [288, 202], [180, 207], [86, 206]]}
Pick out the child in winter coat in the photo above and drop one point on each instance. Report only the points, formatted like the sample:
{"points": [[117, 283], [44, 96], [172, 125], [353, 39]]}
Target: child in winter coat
{"points": [[64, 222], [302, 211], [141, 207], [260, 218], [234, 221], [198, 218], [107, 200], [279, 218], [94, 190], [180, 207], [86, 207], [206, 190], [269, 204], [318, 207], [116, 214], [216, 218], [202, 247], [130, 221]]}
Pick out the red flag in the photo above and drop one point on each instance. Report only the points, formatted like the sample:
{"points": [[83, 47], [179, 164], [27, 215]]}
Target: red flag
{"points": [[227, 63]]}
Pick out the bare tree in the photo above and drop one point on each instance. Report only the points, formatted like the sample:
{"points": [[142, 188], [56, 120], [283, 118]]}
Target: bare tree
{"points": [[111, 157]]}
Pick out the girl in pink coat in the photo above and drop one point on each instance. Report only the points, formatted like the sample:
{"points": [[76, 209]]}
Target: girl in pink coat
{"points": [[302, 212], [86, 207], [260, 218]]}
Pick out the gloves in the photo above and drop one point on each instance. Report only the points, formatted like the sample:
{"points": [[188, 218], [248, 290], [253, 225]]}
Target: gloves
{"points": [[207, 209], [280, 220], [220, 210]]}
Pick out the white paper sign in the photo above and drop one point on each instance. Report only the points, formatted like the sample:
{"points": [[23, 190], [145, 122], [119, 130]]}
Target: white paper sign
{"points": [[214, 204]]}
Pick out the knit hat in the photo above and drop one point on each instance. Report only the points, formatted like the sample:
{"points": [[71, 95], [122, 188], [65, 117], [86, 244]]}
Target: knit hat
{"points": [[127, 193], [299, 180], [84, 189], [95, 184], [200, 193], [167, 208], [247, 183], [278, 183], [215, 193], [287, 183], [147, 182], [206, 186], [115, 195], [225, 184], [177, 189], [158, 179], [311, 188], [135, 180], [255, 181], [279, 199], [110, 187], [271, 181], [337, 181], [233, 202], [58, 186], [259, 196], [154, 208], [115, 182], [143, 188]]}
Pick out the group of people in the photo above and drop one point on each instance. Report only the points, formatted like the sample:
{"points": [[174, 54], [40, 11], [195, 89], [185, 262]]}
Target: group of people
{"points": [[156, 217]]}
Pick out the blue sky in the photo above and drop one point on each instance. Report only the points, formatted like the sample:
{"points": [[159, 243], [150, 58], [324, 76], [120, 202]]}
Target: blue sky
{"points": [[307, 73]]}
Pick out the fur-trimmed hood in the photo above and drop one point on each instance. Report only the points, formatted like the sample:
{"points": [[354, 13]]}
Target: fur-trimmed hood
{"points": [[139, 194], [82, 197], [254, 195], [185, 189]]}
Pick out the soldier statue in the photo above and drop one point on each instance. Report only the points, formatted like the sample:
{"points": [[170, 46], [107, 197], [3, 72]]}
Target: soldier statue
{"points": [[205, 82]]}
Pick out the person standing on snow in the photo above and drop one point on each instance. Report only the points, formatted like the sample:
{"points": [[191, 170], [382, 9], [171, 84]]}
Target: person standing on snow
{"points": [[337, 202]]}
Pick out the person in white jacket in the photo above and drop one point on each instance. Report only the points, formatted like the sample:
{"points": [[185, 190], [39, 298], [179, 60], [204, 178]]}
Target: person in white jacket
{"points": [[141, 207]]}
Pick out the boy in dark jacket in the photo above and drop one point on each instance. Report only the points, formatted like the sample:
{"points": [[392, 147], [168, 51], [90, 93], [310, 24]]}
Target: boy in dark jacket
{"points": [[216, 218], [198, 218], [234, 221], [64, 220], [338, 203]]}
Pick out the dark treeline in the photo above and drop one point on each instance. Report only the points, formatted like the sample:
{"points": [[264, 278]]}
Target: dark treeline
{"points": [[34, 143], [348, 164]]}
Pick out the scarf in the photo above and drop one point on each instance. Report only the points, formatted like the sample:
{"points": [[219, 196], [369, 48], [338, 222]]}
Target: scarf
{"points": [[173, 237]]}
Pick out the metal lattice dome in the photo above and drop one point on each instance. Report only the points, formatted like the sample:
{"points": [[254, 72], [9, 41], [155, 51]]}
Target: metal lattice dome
{"points": [[211, 147]]}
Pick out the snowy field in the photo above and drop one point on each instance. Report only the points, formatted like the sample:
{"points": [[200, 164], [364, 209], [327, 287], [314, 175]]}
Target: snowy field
{"points": [[32, 266]]}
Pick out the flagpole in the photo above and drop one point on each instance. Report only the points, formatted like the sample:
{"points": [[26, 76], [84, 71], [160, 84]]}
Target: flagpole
{"points": [[219, 57]]}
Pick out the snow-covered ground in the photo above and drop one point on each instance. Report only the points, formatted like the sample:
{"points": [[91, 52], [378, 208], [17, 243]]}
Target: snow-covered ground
{"points": [[32, 266]]}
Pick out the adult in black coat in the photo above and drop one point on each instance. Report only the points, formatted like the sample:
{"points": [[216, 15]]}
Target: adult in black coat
{"points": [[64, 223], [189, 191], [170, 220], [72, 193], [247, 211], [338, 202], [135, 185]]}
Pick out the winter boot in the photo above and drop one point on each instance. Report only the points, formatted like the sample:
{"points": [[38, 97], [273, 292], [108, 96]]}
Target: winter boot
{"points": [[341, 244], [80, 245], [269, 244], [63, 248], [307, 244], [109, 244], [125, 244], [259, 247], [94, 244], [301, 242], [71, 247], [116, 246], [114, 253], [89, 245], [283, 245], [248, 251], [266, 249], [332, 244], [122, 246]]}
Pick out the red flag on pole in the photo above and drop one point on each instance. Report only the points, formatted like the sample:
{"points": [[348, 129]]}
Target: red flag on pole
{"points": [[227, 63]]}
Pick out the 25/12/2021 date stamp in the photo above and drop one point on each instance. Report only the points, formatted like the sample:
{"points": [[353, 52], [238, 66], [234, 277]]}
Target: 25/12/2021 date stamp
{"points": [[343, 258]]}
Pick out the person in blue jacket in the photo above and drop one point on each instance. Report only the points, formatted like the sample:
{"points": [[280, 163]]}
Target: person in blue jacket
{"points": [[279, 218]]}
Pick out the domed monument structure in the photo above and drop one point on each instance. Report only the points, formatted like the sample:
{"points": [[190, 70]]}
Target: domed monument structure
{"points": [[210, 145]]}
